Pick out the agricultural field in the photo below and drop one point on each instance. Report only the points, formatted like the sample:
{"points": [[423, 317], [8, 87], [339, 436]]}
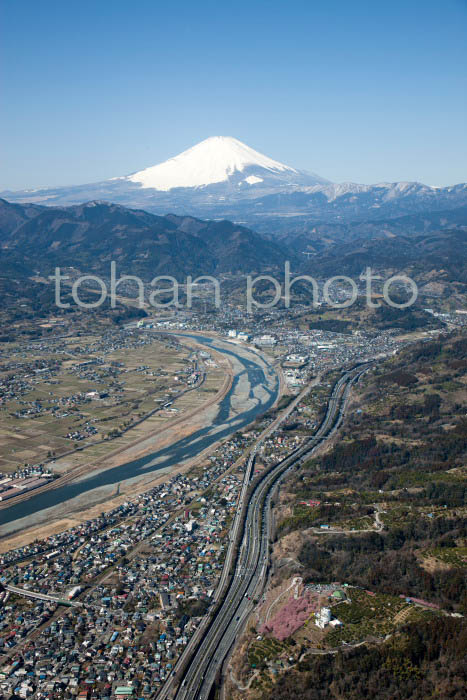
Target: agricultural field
{"points": [[452, 556], [365, 615], [263, 650], [93, 392]]}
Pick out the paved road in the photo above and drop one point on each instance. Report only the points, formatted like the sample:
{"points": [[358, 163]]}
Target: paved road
{"points": [[377, 527], [40, 596], [169, 687], [253, 555]]}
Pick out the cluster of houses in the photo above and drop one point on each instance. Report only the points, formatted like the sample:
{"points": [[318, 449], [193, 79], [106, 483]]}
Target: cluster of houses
{"points": [[141, 576]]}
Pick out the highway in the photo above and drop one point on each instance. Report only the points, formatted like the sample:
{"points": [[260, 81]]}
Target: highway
{"points": [[41, 596], [250, 545], [167, 690]]}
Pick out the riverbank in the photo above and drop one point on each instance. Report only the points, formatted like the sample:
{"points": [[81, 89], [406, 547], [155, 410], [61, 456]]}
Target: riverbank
{"points": [[148, 439], [253, 390]]}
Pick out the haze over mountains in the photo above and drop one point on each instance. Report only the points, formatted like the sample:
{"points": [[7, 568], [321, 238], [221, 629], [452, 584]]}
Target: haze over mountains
{"points": [[222, 178], [154, 221], [34, 239]]}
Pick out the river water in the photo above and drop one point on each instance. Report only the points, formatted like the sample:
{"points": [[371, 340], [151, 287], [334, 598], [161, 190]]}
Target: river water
{"points": [[262, 394]]}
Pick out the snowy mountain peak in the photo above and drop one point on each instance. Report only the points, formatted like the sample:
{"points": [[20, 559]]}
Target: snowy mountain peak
{"points": [[211, 161]]}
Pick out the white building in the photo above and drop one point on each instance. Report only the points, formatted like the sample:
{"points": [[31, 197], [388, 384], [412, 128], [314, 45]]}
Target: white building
{"points": [[323, 617], [265, 341], [335, 623], [296, 359]]}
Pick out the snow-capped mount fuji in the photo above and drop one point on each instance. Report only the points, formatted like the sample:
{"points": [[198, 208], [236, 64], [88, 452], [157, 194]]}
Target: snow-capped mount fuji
{"points": [[222, 178], [215, 171], [220, 159]]}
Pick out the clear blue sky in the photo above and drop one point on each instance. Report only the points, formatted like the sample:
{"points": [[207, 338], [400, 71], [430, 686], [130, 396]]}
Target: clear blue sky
{"points": [[361, 91]]}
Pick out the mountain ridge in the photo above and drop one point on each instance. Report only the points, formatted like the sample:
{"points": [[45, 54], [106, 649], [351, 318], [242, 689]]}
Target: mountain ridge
{"points": [[222, 178], [91, 235], [209, 162]]}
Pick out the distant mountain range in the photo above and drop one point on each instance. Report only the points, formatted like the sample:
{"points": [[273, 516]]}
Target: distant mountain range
{"points": [[436, 256], [320, 227], [222, 178], [309, 238], [34, 239]]}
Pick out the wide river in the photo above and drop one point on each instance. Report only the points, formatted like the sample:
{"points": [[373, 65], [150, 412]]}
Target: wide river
{"points": [[255, 386]]}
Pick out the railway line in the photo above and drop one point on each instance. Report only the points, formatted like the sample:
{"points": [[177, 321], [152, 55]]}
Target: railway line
{"points": [[250, 557]]}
